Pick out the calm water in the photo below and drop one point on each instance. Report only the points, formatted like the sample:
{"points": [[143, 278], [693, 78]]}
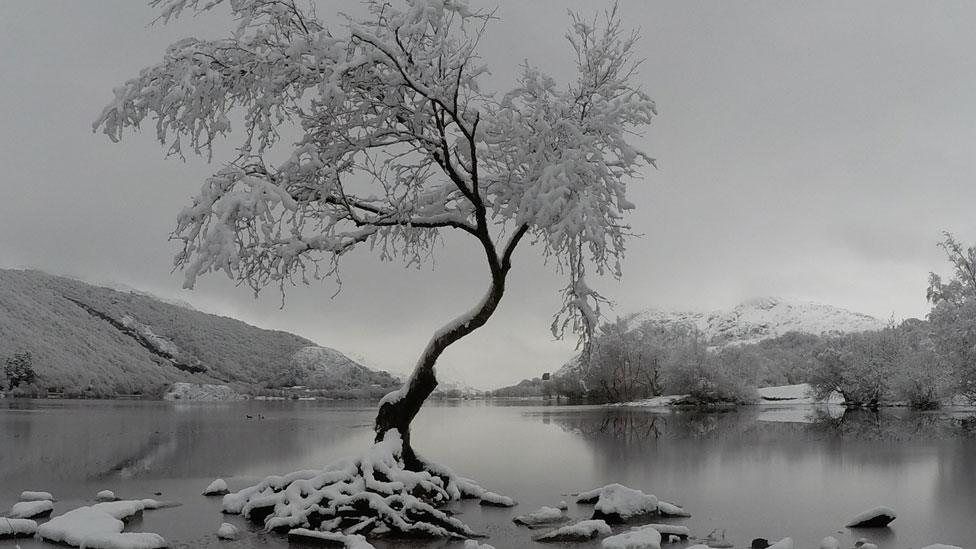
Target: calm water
{"points": [[754, 473]]}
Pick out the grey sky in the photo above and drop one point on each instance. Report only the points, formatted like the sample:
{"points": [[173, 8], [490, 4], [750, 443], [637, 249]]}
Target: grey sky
{"points": [[810, 150]]}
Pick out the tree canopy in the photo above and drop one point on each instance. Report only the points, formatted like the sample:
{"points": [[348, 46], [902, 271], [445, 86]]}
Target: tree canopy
{"points": [[397, 142]]}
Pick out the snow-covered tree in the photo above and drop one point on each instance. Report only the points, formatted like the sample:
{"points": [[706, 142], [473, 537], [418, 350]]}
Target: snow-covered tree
{"points": [[397, 144], [953, 314]]}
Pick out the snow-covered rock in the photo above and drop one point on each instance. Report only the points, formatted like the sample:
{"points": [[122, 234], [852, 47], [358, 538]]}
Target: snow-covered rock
{"points": [[216, 488], [785, 543], [579, 531], [497, 500], [201, 392], [100, 527], [227, 531], [877, 517], [106, 495], [32, 495], [671, 510], [863, 543], [669, 530], [472, 544], [616, 503], [17, 528], [31, 509], [829, 542], [545, 515], [646, 537], [941, 546]]}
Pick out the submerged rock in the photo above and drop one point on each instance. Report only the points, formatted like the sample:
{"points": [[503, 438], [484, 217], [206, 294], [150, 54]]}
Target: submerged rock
{"points": [[216, 488], [581, 531], [106, 495], [878, 517]]}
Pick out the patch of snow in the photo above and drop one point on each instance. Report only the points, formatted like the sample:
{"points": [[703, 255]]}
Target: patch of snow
{"points": [[30, 509], [30, 495], [641, 538], [654, 402], [829, 542], [105, 495], [545, 515], [16, 527], [216, 488], [785, 543], [350, 542], [100, 527], [227, 531], [872, 518], [580, 531]]}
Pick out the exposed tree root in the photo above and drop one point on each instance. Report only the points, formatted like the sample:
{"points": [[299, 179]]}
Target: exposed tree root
{"points": [[374, 495]]}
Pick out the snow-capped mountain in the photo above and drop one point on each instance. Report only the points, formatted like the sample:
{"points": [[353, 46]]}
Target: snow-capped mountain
{"points": [[762, 318], [754, 320]]}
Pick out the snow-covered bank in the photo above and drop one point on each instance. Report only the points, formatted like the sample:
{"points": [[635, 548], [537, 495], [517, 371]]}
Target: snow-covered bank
{"points": [[785, 395], [202, 392]]}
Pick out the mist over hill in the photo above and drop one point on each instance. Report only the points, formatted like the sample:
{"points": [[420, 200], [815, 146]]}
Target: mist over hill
{"points": [[97, 341]]}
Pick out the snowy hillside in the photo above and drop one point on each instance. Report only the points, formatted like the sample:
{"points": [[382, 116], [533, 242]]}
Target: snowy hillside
{"points": [[97, 341], [753, 321], [325, 368]]}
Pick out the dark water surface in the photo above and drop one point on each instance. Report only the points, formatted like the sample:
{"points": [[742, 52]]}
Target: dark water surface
{"points": [[752, 473]]}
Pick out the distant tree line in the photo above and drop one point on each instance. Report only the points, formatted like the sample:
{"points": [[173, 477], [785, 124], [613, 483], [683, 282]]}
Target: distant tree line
{"points": [[921, 363]]}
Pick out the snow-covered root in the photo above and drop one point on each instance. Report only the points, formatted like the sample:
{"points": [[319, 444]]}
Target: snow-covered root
{"points": [[373, 495]]}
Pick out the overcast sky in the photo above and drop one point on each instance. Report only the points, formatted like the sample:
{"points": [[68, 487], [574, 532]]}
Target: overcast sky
{"points": [[806, 150]]}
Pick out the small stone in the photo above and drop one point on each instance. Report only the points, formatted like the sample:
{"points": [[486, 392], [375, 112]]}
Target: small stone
{"points": [[227, 531]]}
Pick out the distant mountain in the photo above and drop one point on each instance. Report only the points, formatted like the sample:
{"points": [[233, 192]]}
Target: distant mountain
{"points": [[753, 321], [88, 339]]}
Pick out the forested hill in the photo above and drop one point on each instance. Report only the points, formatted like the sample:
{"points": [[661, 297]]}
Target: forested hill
{"points": [[86, 339]]}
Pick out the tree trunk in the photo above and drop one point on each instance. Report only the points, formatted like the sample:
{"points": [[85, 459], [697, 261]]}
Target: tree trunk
{"points": [[397, 410]]}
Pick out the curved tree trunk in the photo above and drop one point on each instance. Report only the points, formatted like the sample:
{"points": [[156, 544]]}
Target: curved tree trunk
{"points": [[397, 410]]}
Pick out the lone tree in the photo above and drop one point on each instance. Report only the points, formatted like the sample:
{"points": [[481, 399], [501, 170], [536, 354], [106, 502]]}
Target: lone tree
{"points": [[397, 144], [19, 369]]}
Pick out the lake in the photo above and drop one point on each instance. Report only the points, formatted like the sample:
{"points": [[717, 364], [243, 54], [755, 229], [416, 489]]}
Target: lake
{"points": [[758, 472]]}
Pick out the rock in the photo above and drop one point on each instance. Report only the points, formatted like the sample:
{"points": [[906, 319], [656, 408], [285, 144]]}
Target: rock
{"points": [[616, 503], [670, 530], [878, 517], [31, 509], [106, 495], [31, 495], [472, 544], [863, 543], [785, 543], [759, 543], [666, 509], [545, 515], [216, 488], [941, 546], [17, 528], [581, 531], [227, 531], [492, 499], [638, 538], [829, 542]]}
